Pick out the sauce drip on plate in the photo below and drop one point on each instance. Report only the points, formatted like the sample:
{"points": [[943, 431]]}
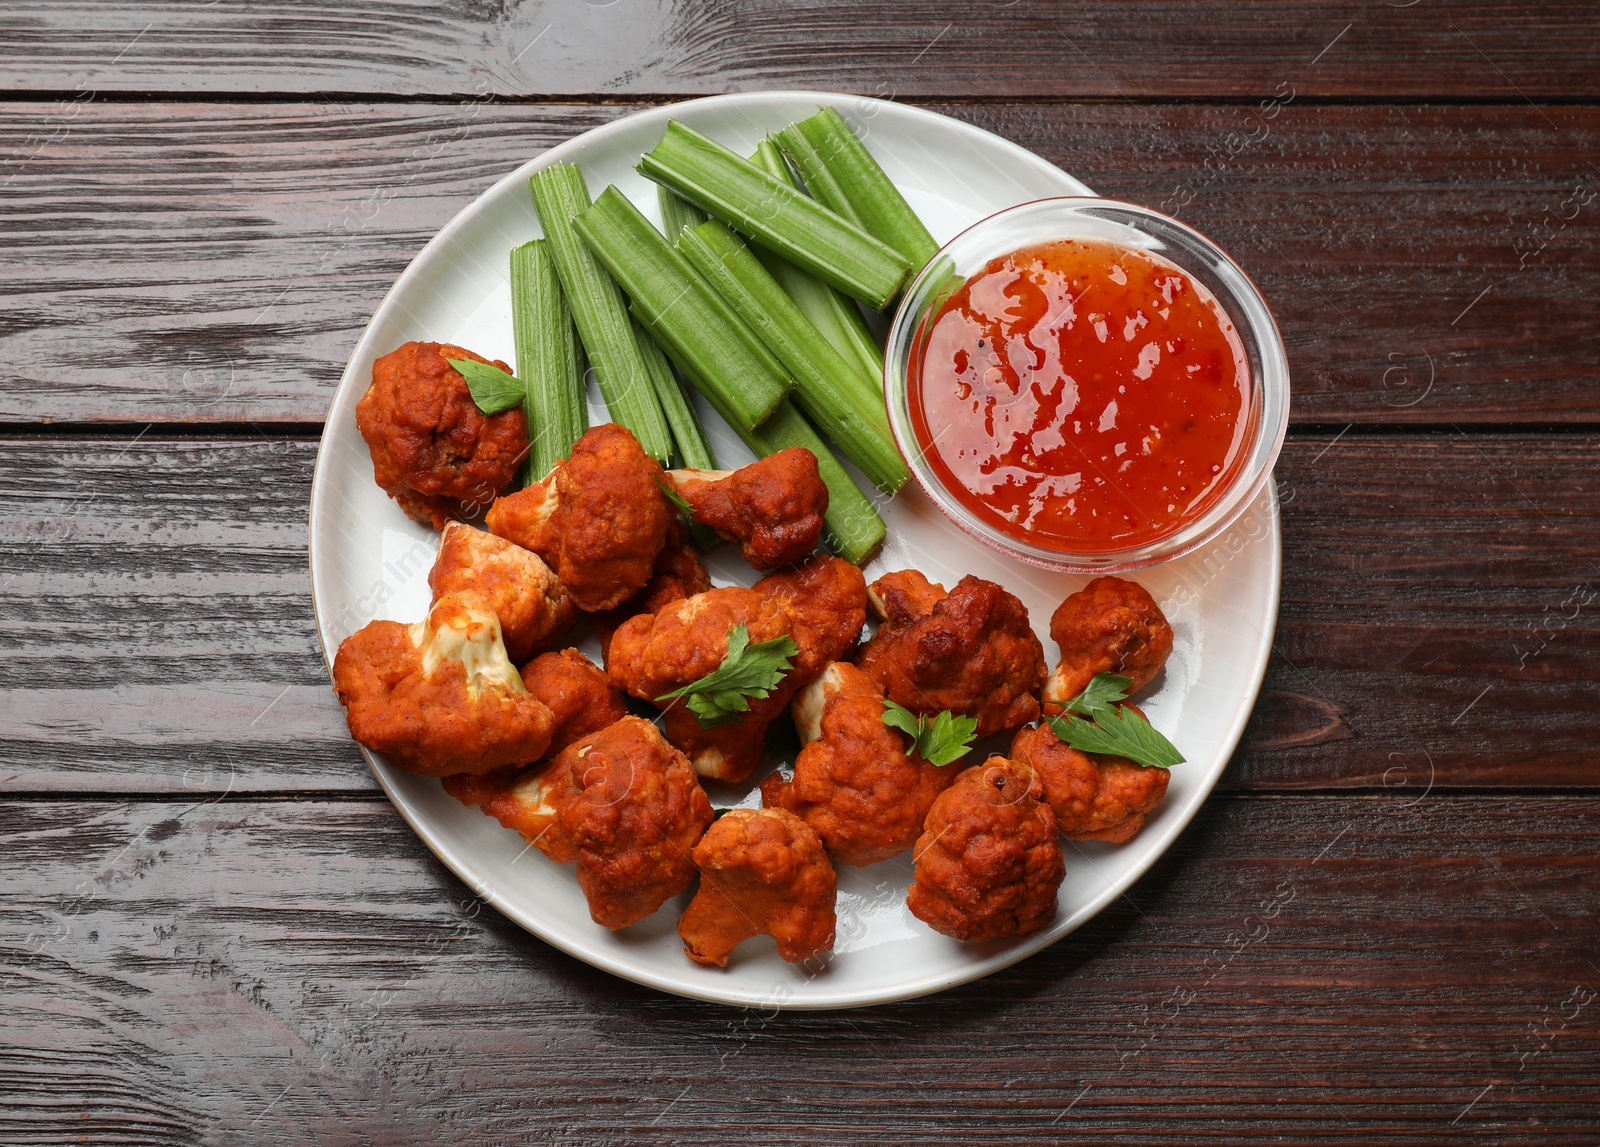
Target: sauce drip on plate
{"points": [[1081, 396]]}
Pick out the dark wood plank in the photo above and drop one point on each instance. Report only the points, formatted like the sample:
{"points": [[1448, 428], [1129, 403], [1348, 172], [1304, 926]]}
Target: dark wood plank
{"points": [[1439, 620], [211, 263], [944, 48], [1307, 970]]}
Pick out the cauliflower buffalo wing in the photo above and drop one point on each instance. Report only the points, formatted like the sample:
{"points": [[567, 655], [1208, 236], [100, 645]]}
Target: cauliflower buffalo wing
{"points": [[626, 808], [523, 592], [971, 650], [580, 696], [772, 508], [987, 863], [654, 654], [854, 783], [1111, 625], [829, 596], [440, 697], [433, 451], [599, 518], [1094, 797], [678, 573], [762, 873]]}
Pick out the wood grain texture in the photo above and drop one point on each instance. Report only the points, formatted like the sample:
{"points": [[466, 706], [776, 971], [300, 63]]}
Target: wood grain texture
{"points": [[1300, 970], [1440, 621], [943, 48], [199, 262]]}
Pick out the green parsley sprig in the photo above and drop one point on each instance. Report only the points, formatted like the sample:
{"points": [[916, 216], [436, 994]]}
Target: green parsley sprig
{"points": [[676, 499], [938, 740], [1110, 729], [493, 390], [746, 671]]}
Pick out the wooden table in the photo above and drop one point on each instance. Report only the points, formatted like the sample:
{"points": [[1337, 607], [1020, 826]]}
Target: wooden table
{"points": [[1380, 929]]}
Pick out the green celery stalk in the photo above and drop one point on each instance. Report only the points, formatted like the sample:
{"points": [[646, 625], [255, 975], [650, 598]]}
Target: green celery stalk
{"points": [[841, 173], [677, 213], [692, 324], [834, 314], [687, 433], [775, 215], [827, 388], [559, 196], [547, 359], [693, 448], [852, 527]]}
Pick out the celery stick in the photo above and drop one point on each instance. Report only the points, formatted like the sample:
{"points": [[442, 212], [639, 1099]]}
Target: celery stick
{"points": [[830, 391], [852, 527], [677, 213], [840, 171], [687, 432], [834, 314], [775, 215], [688, 319], [559, 195], [547, 359]]}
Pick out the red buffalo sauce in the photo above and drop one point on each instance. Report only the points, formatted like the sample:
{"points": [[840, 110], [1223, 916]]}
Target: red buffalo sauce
{"points": [[1081, 396]]}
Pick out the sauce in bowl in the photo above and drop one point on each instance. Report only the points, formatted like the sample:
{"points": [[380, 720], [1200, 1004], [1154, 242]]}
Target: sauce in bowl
{"points": [[1082, 396]]}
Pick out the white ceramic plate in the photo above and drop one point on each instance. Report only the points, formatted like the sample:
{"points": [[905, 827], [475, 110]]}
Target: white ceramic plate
{"points": [[369, 561]]}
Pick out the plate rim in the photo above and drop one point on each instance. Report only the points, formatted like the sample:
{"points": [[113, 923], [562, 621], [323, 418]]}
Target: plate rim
{"points": [[444, 851]]}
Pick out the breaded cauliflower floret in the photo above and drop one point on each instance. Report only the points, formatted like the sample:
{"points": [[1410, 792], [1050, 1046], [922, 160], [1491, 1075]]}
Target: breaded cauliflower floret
{"points": [[762, 873], [523, 592], [829, 596], [678, 573], [854, 784], [1094, 797], [1111, 625], [440, 697], [772, 508], [987, 863], [580, 695], [599, 518], [625, 807], [654, 654], [971, 651], [433, 450]]}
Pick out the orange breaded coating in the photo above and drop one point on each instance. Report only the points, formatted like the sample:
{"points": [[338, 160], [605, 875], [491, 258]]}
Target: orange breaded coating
{"points": [[625, 806], [523, 592], [987, 863], [854, 784], [433, 450], [1110, 625], [1094, 797], [581, 697], [762, 873], [772, 508], [678, 573], [599, 518], [654, 654], [827, 594], [516, 797], [440, 697], [971, 651], [581, 700]]}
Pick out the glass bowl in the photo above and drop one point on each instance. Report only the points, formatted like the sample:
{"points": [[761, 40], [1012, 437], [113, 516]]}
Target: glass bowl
{"points": [[1128, 225]]}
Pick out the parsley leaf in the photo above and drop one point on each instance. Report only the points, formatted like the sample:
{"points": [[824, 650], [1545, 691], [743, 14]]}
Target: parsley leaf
{"points": [[939, 741], [1103, 691], [676, 498], [746, 671], [1117, 732], [492, 388]]}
